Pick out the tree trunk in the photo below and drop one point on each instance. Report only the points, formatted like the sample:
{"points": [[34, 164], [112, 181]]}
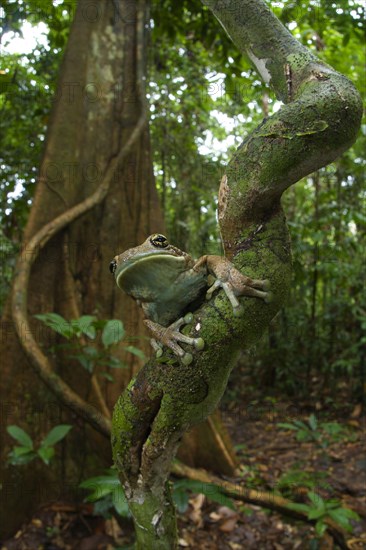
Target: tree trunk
{"points": [[96, 109]]}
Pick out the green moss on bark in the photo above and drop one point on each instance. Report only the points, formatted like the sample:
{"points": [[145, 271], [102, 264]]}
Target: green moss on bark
{"points": [[166, 398]]}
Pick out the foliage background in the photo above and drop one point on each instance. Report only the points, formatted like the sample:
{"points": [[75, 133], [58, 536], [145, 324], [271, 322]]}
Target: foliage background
{"points": [[204, 99]]}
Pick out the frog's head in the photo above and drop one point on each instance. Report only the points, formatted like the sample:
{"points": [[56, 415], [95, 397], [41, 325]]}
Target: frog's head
{"points": [[154, 264]]}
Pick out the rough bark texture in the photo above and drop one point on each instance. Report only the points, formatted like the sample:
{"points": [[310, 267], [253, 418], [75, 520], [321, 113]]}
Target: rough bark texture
{"points": [[96, 109], [318, 122]]}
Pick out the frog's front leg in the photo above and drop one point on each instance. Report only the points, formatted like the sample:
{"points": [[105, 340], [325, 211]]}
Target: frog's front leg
{"points": [[170, 336], [232, 281]]}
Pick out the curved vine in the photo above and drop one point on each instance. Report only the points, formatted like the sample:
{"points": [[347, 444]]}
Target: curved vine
{"points": [[39, 361]]}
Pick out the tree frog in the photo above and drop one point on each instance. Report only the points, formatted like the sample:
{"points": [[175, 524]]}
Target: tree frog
{"points": [[165, 281]]}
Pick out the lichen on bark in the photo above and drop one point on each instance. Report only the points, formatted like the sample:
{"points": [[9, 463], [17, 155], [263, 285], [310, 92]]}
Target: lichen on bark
{"points": [[319, 121]]}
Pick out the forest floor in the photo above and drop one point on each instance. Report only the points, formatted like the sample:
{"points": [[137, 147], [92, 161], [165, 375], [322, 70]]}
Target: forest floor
{"points": [[326, 456]]}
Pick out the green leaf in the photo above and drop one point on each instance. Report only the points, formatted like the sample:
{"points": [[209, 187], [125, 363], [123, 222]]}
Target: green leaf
{"points": [[108, 376], [342, 517], [18, 458], [114, 363], [135, 351], [303, 435], [316, 513], [46, 453], [113, 332], [57, 323], [213, 492], [55, 435], [313, 423], [181, 499], [84, 325], [120, 502], [20, 435], [320, 528], [103, 507], [86, 363], [90, 351], [316, 499], [21, 451], [101, 486]]}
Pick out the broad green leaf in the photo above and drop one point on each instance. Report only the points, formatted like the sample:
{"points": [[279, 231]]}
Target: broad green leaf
{"points": [[57, 323], [313, 423], [213, 492], [86, 363], [135, 351], [320, 528], [113, 332], [46, 453], [20, 435], [111, 480], [20, 451], [90, 351], [85, 325], [189, 484], [181, 499], [342, 516], [316, 499], [55, 435], [316, 513], [114, 363], [120, 502], [21, 458], [108, 376], [100, 486]]}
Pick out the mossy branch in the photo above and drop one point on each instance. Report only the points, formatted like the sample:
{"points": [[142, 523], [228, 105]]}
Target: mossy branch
{"points": [[319, 121]]}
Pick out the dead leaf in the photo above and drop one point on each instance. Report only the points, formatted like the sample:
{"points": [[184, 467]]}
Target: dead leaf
{"points": [[226, 512], [37, 523], [353, 423], [357, 411], [228, 525], [196, 514], [214, 516]]}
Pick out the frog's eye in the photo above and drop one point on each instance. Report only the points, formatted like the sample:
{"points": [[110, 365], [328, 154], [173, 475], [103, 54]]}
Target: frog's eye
{"points": [[113, 266], [159, 240]]}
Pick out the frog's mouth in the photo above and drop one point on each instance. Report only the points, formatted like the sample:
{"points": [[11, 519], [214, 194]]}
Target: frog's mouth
{"points": [[155, 271]]}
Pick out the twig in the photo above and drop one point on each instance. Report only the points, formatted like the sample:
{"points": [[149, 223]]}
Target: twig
{"points": [[263, 499]]}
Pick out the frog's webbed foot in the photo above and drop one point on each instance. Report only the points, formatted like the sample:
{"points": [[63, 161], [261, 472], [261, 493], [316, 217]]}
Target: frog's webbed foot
{"points": [[170, 336], [235, 284]]}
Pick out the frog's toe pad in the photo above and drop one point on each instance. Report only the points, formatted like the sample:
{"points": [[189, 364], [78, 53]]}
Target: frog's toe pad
{"points": [[188, 318], [266, 285], [268, 298], [187, 359], [238, 311], [199, 344]]}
